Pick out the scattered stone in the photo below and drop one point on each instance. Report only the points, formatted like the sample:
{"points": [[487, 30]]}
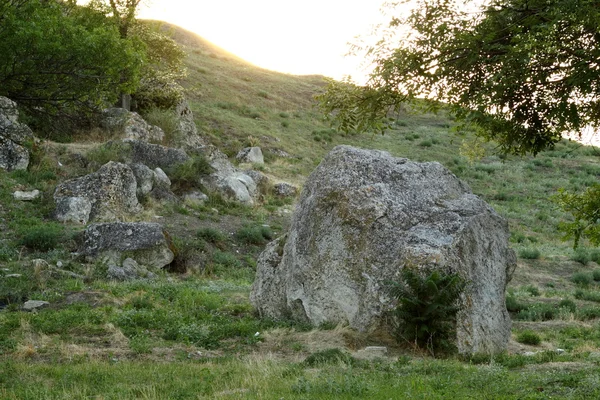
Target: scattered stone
{"points": [[32, 305], [560, 351], [59, 264], [251, 155], [284, 189], [144, 242], [144, 177], [530, 353], [129, 270], [110, 194], [364, 215], [194, 199], [26, 196], [13, 136]]}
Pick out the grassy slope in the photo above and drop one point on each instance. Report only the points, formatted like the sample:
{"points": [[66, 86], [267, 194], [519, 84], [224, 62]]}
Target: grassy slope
{"points": [[194, 337]]}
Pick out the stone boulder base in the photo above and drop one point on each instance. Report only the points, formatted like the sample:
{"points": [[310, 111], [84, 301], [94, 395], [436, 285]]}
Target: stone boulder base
{"points": [[361, 217], [108, 194], [144, 242], [13, 136]]}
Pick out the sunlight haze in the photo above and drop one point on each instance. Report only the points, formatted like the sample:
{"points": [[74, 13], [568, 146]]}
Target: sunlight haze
{"points": [[308, 37]]}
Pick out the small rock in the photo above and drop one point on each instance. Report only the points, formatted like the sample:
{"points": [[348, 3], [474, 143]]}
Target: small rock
{"points": [[161, 179], [529, 353], [26, 196], [284, 189], [195, 199], [39, 264], [12, 276], [31, 305], [251, 155], [560, 351], [59, 264]]}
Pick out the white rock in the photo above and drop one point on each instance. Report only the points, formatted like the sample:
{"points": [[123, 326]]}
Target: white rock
{"points": [[31, 305], [26, 196]]}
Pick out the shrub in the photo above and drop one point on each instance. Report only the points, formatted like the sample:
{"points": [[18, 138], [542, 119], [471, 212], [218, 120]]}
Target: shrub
{"points": [[587, 295], [211, 235], [529, 254], [529, 337], [568, 304], [165, 120], [596, 275], [42, 237], [426, 143], [329, 356], [532, 290], [538, 312], [581, 278], [587, 313], [186, 175], [514, 305], [581, 256], [257, 235], [427, 303]]}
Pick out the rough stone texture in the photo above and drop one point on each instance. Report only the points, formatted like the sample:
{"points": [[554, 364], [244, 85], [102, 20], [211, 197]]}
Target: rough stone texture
{"points": [[361, 217], [144, 177], [130, 125], [252, 155], [161, 179], [32, 305], [186, 127], [73, 209], [144, 242], [154, 155], [26, 196], [262, 181], [285, 189], [111, 192], [129, 270], [13, 135], [226, 179]]}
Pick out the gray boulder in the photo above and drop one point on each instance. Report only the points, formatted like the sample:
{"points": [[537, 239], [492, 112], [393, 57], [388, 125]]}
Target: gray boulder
{"points": [[144, 177], [362, 216], [154, 155], [128, 270], [144, 242], [226, 179], [130, 125], [13, 136], [187, 133], [109, 194], [251, 155], [261, 180]]}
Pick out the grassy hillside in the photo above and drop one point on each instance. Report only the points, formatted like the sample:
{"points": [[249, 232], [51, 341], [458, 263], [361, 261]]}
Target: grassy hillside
{"points": [[193, 334]]}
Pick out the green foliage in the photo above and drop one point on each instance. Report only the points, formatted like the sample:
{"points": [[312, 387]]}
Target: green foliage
{"points": [[596, 275], [187, 175], [529, 253], [568, 304], [587, 295], [257, 235], [582, 278], [70, 63], [585, 211], [514, 305], [529, 337], [427, 303], [211, 235], [538, 312], [329, 356], [531, 79], [42, 237], [165, 120]]}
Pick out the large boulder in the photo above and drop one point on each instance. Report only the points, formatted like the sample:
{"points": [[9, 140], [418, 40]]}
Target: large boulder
{"points": [[252, 155], [13, 136], [108, 194], [153, 155], [187, 133], [144, 242], [362, 216]]}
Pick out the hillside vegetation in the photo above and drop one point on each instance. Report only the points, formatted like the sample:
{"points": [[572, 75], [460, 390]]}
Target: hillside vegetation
{"points": [[193, 334]]}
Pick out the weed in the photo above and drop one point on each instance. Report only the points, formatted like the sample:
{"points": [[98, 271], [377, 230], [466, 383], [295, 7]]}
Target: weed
{"points": [[587, 295], [166, 120], [514, 305], [329, 356], [257, 235], [529, 254], [568, 304], [532, 290], [596, 275], [581, 256], [426, 143], [582, 278], [588, 312], [212, 235], [185, 176], [538, 312], [529, 337], [41, 237]]}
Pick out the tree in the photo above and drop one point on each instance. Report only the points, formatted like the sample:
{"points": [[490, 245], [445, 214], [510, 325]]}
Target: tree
{"points": [[61, 63], [524, 71]]}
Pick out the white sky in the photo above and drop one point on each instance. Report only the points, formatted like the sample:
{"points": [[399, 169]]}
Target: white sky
{"points": [[298, 37]]}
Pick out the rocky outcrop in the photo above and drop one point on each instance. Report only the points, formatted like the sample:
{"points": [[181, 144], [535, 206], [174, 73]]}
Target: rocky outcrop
{"points": [[226, 179], [187, 133], [13, 136], [130, 125], [153, 155], [143, 242], [284, 189], [106, 195], [252, 155], [362, 216]]}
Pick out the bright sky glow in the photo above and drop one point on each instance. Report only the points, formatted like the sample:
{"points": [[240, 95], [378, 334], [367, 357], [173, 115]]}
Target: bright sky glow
{"points": [[298, 37]]}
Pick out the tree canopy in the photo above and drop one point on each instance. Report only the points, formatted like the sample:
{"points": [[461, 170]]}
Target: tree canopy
{"points": [[526, 71]]}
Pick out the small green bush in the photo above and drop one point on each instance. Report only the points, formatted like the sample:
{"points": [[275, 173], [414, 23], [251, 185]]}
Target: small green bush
{"points": [[587, 313], [426, 143], [329, 356], [532, 290], [257, 235], [226, 259], [42, 237], [514, 305], [582, 278], [186, 175], [529, 254], [568, 304], [427, 303], [538, 312], [581, 294], [166, 120], [581, 256], [529, 337], [596, 275], [211, 235]]}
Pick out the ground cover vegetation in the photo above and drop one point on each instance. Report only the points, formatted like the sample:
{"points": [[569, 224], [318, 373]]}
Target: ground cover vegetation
{"points": [[192, 333]]}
